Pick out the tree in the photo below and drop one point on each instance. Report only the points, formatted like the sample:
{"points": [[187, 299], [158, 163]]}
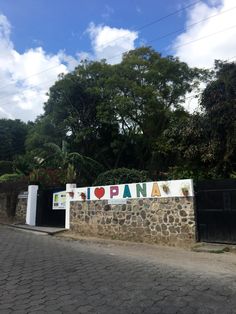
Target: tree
{"points": [[116, 114], [12, 138], [219, 108], [42, 131], [54, 156], [205, 142]]}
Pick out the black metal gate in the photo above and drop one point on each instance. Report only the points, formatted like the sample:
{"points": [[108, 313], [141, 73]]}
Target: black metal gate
{"points": [[216, 210], [45, 215]]}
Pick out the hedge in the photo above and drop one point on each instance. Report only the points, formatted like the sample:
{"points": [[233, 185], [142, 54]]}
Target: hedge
{"points": [[121, 176]]}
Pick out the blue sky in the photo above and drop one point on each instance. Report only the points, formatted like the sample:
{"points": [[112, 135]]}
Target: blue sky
{"points": [[40, 39], [57, 25]]}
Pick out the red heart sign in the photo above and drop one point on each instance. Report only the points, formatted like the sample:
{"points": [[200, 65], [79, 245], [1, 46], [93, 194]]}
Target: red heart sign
{"points": [[99, 192]]}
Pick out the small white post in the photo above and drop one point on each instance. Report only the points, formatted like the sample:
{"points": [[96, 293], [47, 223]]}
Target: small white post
{"points": [[31, 205], [69, 188], [192, 187]]}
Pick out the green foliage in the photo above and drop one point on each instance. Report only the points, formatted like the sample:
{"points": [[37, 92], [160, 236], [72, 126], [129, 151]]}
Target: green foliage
{"points": [[34, 176], [70, 174], [27, 162], [233, 175], [52, 155], [87, 168], [203, 145], [48, 177], [218, 103], [103, 116], [6, 167], [12, 138], [42, 131], [121, 176], [187, 172], [10, 177], [115, 114]]}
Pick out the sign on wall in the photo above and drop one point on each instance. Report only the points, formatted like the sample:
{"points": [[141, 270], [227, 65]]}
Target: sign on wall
{"points": [[174, 188], [59, 200], [23, 194], [119, 193]]}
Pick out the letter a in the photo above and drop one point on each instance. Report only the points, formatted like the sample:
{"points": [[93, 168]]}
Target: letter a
{"points": [[126, 191], [155, 190]]}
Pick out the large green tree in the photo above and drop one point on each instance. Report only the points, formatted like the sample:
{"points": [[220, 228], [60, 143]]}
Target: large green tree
{"points": [[12, 138], [219, 109], [148, 91], [116, 114], [204, 144]]}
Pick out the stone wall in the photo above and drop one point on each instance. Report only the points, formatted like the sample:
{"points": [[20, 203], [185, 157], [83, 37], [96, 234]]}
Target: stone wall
{"points": [[20, 212], [21, 208], [168, 221]]}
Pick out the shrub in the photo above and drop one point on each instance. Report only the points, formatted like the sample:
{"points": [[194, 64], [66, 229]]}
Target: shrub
{"points": [[48, 177], [185, 172], [121, 176], [5, 167], [10, 177], [70, 174]]}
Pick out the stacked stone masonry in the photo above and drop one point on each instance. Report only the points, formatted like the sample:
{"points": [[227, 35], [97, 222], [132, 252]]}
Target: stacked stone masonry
{"points": [[20, 212], [21, 208], [168, 221]]}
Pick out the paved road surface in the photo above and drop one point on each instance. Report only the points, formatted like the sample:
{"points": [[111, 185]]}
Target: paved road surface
{"points": [[44, 274]]}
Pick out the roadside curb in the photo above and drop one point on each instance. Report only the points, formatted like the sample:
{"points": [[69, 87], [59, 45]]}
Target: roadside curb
{"points": [[36, 230], [67, 235], [216, 248], [198, 247]]}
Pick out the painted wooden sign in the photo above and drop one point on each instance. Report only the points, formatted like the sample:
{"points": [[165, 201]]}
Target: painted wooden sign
{"points": [[59, 200], [122, 192], [174, 188]]}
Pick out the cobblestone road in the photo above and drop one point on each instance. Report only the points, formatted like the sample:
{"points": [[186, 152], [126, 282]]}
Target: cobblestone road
{"points": [[44, 274]]}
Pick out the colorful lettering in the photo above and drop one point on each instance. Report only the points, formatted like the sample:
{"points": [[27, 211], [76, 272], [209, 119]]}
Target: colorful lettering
{"points": [[114, 190], [88, 193], [141, 190], [155, 190], [126, 191]]}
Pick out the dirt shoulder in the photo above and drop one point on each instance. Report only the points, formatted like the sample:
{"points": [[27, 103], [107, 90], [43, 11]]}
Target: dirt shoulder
{"points": [[200, 262]]}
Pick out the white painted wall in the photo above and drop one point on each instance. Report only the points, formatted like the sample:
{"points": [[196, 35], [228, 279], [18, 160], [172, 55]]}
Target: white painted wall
{"points": [[70, 187], [32, 205], [175, 190]]}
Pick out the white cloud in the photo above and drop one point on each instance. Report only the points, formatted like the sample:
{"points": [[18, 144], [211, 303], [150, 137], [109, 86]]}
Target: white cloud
{"points": [[219, 46], [203, 52], [83, 55], [26, 77], [110, 43]]}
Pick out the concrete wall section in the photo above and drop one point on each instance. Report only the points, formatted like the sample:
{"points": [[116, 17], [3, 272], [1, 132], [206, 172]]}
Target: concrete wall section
{"points": [[168, 221]]}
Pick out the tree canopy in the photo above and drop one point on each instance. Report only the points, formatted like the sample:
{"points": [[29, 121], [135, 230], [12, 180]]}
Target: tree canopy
{"points": [[116, 113], [131, 115], [12, 138], [205, 142]]}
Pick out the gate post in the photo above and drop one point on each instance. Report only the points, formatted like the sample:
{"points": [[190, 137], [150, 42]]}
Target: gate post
{"points": [[69, 188], [32, 205]]}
